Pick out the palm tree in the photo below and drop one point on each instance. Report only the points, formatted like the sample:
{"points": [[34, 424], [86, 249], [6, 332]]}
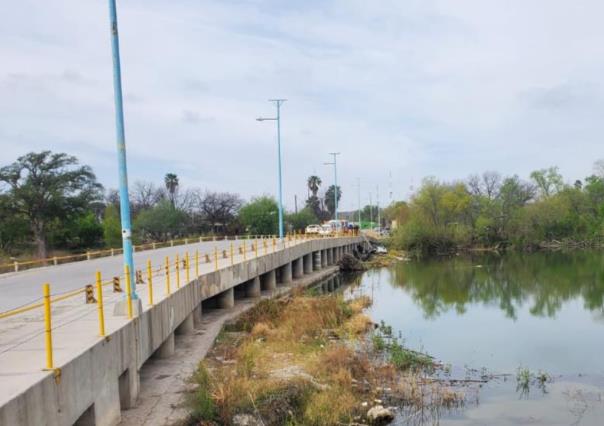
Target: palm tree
{"points": [[314, 182], [171, 181]]}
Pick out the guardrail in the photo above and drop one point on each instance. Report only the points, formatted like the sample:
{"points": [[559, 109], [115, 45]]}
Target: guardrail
{"points": [[17, 265], [260, 245]]}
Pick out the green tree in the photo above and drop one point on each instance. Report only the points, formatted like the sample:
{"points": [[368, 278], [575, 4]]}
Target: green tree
{"points": [[397, 212], [161, 222], [299, 221], [548, 181], [44, 187], [330, 199], [112, 227], [313, 183], [14, 229], [171, 182], [260, 216]]}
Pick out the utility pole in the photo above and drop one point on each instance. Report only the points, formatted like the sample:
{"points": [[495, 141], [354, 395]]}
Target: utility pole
{"points": [[278, 103], [378, 206], [121, 149], [296, 203], [359, 200], [335, 179], [370, 209]]}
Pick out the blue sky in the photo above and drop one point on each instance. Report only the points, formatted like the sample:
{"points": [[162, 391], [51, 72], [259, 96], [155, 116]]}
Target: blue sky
{"points": [[404, 89]]}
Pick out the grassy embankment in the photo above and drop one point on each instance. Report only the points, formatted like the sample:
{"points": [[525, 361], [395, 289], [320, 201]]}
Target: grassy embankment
{"points": [[312, 361]]}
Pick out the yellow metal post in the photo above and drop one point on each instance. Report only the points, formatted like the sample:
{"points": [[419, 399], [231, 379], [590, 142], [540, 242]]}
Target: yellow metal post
{"points": [[177, 271], [47, 326], [274, 244], [150, 282], [128, 291], [197, 263], [244, 251], [187, 262], [99, 298], [232, 251], [167, 275], [215, 258], [256, 247], [265, 246]]}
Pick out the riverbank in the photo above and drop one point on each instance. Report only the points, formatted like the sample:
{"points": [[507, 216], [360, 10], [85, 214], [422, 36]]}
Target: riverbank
{"points": [[165, 383], [314, 360]]}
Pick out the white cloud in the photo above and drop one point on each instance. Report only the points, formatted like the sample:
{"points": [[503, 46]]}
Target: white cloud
{"points": [[414, 88]]}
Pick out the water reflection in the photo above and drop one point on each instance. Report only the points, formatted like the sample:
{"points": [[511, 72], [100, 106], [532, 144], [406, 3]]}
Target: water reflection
{"points": [[544, 281]]}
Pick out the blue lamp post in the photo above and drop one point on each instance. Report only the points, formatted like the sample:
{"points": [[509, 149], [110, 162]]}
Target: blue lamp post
{"points": [[334, 163], [278, 103], [121, 149]]}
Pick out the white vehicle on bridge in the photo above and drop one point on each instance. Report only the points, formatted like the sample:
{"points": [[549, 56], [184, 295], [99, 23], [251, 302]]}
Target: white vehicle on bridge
{"points": [[313, 229], [326, 230]]}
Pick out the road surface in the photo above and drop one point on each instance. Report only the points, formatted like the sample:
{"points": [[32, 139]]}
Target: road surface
{"points": [[25, 287]]}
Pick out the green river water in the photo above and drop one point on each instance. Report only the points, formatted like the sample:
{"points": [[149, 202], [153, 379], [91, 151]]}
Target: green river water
{"points": [[496, 315]]}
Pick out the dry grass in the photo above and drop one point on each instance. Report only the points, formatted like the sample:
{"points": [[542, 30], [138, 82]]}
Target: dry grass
{"points": [[360, 303], [299, 362], [359, 324]]}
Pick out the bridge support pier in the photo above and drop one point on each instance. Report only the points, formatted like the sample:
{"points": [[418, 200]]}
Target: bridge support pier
{"points": [[128, 387], [252, 287], [323, 258], [316, 260], [286, 273], [298, 268], [268, 281], [166, 349], [226, 299], [308, 263], [197, 316], [187, 326]]}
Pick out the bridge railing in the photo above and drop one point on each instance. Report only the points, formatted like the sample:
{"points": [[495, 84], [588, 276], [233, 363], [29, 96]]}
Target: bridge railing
{"points": [[248, 247], [173, 273], [20, 265]]}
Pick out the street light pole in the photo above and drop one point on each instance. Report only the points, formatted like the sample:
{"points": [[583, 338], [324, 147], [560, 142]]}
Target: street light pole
{"points": [[335, 179], [359, 200], [278, 103], [377, 188], [121, 150]]}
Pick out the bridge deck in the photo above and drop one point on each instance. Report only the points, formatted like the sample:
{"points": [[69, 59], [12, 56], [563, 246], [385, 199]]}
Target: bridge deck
{"points": [[75, 324]]}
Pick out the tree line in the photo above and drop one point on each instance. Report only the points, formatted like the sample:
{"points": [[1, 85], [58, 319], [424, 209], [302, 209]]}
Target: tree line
{"points": [[491, 210], [49, 201]]}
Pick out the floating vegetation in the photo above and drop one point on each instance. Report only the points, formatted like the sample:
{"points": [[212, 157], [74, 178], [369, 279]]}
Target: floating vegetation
{"points": [[525, 379]]}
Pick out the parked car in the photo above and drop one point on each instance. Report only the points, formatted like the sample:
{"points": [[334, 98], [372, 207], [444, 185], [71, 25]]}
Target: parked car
{"points": [[326, 230], [313, 229]]}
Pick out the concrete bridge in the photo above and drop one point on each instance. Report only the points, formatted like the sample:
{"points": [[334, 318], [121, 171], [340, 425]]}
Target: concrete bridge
{"points": [[95, 377]]}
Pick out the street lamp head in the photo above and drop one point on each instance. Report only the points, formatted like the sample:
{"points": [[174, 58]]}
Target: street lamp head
{"points": [[260, 119]]}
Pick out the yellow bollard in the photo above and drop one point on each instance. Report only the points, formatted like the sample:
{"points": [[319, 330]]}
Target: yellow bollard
{"points": [[256, 247], [265, 247], [47, 327], [232, 260], [177, 271], [244, 251], [128, 291], [167, 275], [274, 244], [215, 258], [196, 263], [150, 282], [187, 262], [99, 298]]}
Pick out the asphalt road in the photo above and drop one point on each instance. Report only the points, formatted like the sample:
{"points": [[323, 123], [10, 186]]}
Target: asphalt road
{"points": [[22, 288]]}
